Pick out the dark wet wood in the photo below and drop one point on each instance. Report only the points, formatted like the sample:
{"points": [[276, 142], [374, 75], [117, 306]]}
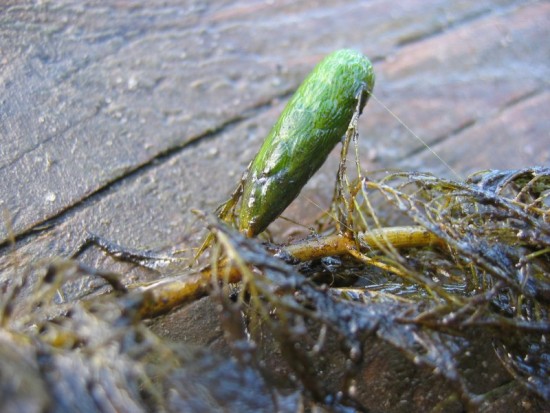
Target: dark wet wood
{"points": [[119, 118]]}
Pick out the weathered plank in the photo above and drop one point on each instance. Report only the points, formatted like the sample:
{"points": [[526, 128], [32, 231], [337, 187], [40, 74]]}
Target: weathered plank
{"points": [[461, 79], [99, 112], [93, 93]]}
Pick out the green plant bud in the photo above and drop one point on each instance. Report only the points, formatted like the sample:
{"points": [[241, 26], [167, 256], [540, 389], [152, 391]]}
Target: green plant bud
{"points": [[312, 123]]}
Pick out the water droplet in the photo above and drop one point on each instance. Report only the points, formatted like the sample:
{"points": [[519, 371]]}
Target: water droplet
{"points": [[50, 197], [132, 83]]}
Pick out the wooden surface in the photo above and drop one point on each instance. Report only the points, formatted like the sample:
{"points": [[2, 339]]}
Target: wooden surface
{"points": [[120, 117]]}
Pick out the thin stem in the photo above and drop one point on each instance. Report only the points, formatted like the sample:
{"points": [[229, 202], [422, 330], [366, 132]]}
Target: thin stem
{"points": [[164, 295]]}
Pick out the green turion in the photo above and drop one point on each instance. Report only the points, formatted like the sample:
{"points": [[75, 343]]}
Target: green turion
{"points": [[312, 123]]}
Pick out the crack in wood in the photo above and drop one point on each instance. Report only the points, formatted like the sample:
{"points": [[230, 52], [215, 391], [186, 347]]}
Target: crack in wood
{"points": [[159, 159]]}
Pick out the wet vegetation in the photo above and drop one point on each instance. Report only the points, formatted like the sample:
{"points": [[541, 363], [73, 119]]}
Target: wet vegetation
{"points": [[478, 287]]}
